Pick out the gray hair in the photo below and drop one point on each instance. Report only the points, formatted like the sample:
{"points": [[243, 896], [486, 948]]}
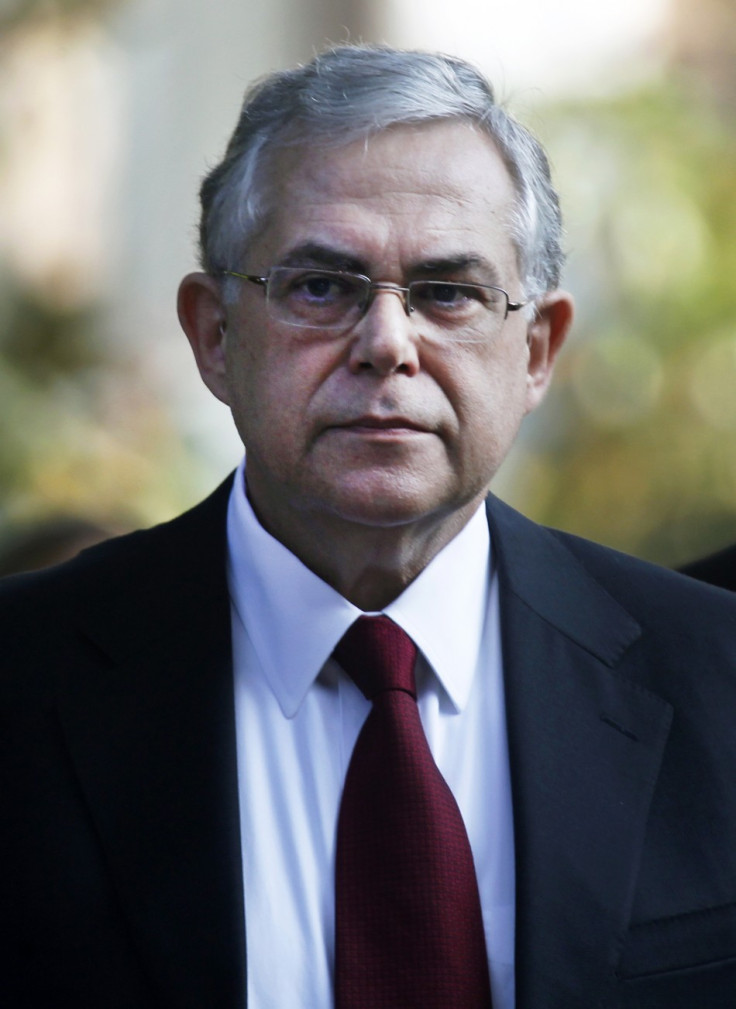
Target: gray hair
{"points": [[349, 93]]}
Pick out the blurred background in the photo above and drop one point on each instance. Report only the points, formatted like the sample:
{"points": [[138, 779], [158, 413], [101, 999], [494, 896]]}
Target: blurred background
{"points": [[112, 110]]}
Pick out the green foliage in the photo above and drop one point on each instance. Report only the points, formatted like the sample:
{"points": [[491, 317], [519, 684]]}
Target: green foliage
{"points": [[18, 12], [83, 432], [636, 446]]}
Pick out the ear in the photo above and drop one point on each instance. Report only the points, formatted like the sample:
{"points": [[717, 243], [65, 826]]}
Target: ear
{"points": [[203, 318], [545, 336]]}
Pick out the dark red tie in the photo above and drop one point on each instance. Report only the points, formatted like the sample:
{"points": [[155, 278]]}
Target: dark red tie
{"points": [[409, 931]]}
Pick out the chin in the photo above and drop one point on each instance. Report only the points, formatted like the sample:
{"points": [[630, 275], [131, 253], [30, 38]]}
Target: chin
{"points": [[386, 507]]}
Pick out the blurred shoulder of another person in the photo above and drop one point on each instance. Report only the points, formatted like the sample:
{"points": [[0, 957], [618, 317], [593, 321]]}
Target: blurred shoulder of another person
{"points": [[717, 569], [40, 544]]}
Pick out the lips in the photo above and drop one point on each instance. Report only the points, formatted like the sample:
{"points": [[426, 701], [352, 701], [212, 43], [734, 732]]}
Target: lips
{"points": [[381, 424]]}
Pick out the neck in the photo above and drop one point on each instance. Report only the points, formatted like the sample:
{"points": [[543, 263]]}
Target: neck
{"points": [[368, 565]]}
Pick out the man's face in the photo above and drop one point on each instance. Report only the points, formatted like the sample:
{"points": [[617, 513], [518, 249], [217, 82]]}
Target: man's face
{"points": [[377, 426]]}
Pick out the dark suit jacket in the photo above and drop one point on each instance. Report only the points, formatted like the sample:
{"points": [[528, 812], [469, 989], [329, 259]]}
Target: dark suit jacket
{"points": [[717, 569], [119, 839]]}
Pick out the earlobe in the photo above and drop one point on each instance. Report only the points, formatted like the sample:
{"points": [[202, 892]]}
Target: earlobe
{"points": [[202, 315], [546, 334]]}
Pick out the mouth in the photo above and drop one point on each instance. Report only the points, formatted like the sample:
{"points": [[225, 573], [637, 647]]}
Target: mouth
{"points": [[382, 425]]}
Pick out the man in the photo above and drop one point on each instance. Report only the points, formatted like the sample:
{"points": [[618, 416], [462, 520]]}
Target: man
{"points": [[379, 307]]}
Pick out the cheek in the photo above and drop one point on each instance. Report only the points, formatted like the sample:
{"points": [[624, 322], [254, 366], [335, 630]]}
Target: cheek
{"points": [[272, 387], [491, 406], [249, 385]]}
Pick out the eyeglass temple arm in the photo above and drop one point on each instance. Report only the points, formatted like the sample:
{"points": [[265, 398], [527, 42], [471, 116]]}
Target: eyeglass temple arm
{"points": [[263, 281]]}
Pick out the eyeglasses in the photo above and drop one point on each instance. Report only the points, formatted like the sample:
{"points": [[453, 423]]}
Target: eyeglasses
{"points": [[334, 301]]}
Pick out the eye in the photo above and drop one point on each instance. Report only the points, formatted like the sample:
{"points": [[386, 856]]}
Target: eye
{"points": [[441, 292], [448, 301], [320, 288], [315, 299], [317, 286]]}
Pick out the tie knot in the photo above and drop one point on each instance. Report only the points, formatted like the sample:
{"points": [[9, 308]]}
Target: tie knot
{"points": [[377, 655]]}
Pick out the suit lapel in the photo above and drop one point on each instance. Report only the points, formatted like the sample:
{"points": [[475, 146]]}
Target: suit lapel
{"points": [[147, 713], [585, 747]]}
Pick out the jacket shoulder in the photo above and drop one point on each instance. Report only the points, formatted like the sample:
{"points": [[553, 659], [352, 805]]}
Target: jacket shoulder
{"points": [[540, 563], [141, 568]]}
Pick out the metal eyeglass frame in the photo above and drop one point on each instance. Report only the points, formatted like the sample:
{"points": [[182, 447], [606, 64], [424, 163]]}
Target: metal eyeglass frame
{"points": [[375, 287]]}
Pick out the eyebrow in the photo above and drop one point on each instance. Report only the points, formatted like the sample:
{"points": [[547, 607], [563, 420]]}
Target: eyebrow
{"points": [[315, 254], [444, 265], [327, 257]]}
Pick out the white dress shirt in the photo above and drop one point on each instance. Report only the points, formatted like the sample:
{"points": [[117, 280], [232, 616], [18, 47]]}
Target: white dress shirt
{"points": [[298, 717]]}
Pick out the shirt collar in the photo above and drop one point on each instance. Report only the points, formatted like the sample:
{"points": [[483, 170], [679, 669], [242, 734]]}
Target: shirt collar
{"points": [[294, 619]]}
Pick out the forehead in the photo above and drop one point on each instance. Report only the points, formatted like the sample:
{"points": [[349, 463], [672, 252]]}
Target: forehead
{"points": [[408, 194]]}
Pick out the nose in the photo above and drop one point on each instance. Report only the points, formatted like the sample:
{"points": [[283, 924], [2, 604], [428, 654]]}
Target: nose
{"points": [[384, 340]]}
